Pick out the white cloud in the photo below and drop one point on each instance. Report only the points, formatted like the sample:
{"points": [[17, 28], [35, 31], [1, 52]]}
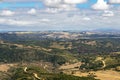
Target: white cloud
{"points": [[114, 1], [2, 20], [18, 0], [86, 18], [23, 22], [100, 5], [32, 11], [67, 20], [52, 3], [74, 1], [18, 23], [7, 13], [15, 22], [51, 10], [45, 20], [61, 5], [56, 10], [108, 13]]}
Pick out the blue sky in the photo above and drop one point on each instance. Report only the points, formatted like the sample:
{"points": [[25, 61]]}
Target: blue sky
{"points": [[40, 4], [59, 15], [10, 5]]}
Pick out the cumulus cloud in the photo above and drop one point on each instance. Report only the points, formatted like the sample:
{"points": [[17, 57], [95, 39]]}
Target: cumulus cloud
{"points": [[100, 5], [61, 5], [52, 3], [45, 20], [15, 22], [108, 13], [74, 1], [86, 18], [114, 1], [18, 0], [20, 23], [51, 10], [56, 10], [7, 13], [82, 19], [23, 22], [32, 11], [57, 5], [61, 21]]}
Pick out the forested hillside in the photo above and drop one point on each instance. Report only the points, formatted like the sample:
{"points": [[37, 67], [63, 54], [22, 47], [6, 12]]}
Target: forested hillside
{"points": [[91, 54]]}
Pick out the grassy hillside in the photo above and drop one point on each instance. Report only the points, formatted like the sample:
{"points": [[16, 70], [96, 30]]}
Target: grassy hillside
{"points": [[36, 73], [60, 51], [10, 52]]}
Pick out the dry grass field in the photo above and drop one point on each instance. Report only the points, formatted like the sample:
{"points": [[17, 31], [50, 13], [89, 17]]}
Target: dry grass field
{"points": [[6, 67], [102, 75]]}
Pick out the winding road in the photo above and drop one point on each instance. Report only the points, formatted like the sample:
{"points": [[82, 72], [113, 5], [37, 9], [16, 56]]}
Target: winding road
{"points": [[100, 59], [34, 74], [104, 64]]}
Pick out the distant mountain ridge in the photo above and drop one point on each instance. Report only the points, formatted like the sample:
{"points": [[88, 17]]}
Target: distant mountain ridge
{"points": [[107, 30]]}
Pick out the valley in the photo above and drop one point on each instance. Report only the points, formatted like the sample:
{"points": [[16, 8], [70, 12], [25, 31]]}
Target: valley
{"points": [[35, 55]]}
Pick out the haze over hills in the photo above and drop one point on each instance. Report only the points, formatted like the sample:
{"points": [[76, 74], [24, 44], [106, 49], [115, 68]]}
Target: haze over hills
{"points": [[37, 35], [107, 30]]}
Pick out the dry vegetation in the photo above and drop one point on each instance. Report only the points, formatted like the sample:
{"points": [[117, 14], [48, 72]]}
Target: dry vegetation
{"points": [[6, 67], [102, 75]]}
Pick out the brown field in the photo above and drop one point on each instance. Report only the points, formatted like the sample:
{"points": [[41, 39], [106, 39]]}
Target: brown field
{"points": [[102, 75], [69, 66], [6, 67]]}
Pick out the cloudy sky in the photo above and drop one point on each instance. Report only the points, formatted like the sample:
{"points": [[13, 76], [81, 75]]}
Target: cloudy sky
{"points": [[40, 15]]}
